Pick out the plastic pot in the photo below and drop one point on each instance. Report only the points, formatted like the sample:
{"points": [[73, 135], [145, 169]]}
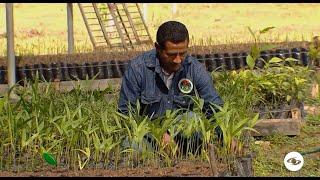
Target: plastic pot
{"points": [[82, 71], [243, 62], [109, 70], [210, 62], [70, 72], [280, 54], [260, 61], [2, 75], [220, 62], [115, 69], [200, 58], [21, 75], [123, 65], [237, 60], [64, 71], [103, 68], [304, 57], [230, 65], [47, 72], [95, 70], [56, 74], [295, 53]]}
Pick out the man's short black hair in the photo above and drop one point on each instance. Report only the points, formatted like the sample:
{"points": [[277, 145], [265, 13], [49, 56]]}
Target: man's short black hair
{"points": [[173, 31]]}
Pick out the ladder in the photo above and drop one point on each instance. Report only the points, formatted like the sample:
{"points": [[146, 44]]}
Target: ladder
{"points": [[115, 25]]}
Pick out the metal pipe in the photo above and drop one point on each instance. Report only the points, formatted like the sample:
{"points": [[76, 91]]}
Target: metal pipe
{"points": [[70, 28], [145, 11], [174, 8], [10, 46]]}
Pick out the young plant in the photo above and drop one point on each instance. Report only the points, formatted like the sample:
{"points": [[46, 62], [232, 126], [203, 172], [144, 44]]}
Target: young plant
{"points": [[257, 47]]}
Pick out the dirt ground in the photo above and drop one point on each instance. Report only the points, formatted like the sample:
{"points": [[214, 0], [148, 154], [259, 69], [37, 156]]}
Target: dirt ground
{"points": [[181, 169]]}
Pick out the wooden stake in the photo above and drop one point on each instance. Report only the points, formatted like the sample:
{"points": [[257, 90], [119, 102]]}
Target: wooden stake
{"points": [[212, 160]]}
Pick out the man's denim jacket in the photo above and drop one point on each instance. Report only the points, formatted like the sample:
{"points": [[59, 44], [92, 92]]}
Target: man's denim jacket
{"points": [[143, 81]]}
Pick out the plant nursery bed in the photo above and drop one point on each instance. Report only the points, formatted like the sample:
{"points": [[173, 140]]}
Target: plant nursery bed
{"points": [[65, 86]]}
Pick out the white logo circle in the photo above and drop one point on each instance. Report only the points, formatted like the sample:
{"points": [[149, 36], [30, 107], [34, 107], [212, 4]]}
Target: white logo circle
{"points": [[185, 85], [293, 161]]}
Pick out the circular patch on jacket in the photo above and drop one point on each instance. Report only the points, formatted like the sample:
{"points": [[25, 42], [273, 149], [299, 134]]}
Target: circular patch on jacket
{"points": [[185, 85]]}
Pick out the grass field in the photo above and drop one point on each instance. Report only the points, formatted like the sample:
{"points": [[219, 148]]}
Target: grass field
{"points": [[42, 28], [270, 154]]}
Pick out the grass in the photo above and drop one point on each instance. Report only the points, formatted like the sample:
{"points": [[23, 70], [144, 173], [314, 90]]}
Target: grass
{"points": [[269, 161], [218, 23]]}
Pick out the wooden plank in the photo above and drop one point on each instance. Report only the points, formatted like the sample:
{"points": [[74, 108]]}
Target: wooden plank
{"points": [[102, 26], [144, 23], [289, 126], [4, 88], [66, 86], [267, 127], [131, 22], [100, 84], [312, 109], [315, 90], [87, 25], [112, 7]]}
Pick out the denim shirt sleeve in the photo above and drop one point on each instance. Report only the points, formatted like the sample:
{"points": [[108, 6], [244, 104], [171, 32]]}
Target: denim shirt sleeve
{"points": [[130, 90], [206, 89]]}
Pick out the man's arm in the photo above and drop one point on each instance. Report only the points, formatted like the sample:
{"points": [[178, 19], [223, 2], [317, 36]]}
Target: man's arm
{"points": [[130, 90], [206, 90]]}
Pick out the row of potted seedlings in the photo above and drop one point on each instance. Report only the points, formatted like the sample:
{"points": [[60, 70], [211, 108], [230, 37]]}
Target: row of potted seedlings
{"points": [[115, 69]]}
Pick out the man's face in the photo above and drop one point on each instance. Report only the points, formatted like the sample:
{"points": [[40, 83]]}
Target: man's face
{"points": [[172, 55]]}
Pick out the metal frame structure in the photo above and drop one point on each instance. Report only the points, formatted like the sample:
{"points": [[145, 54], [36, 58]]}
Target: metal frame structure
{"points": [[115, 25]]}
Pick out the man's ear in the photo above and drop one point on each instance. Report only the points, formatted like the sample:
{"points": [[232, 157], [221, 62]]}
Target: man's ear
{"points": [[157, 46]]}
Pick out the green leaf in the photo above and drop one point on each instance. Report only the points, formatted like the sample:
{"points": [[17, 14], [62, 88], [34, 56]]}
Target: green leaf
{"points": [[286, 85], [289, 59], [26, 143], [250, 61], [49, 159], [275, 60], [267, 47], [288, 98], [266, 29], [2, 102], [255, 52], [251, 32]]}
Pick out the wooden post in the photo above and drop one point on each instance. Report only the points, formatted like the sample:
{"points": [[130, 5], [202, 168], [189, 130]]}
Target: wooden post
{"points": [[11, 69], [174, 8], [212, 160], [145, 11], [70, 28]]}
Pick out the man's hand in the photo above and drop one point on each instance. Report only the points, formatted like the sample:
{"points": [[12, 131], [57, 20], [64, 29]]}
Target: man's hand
{"points": [[166, 139], [169, 145], [234, 145]]}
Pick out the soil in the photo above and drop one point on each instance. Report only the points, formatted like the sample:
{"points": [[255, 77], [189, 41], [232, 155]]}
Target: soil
{"points": [[185, 168]]}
